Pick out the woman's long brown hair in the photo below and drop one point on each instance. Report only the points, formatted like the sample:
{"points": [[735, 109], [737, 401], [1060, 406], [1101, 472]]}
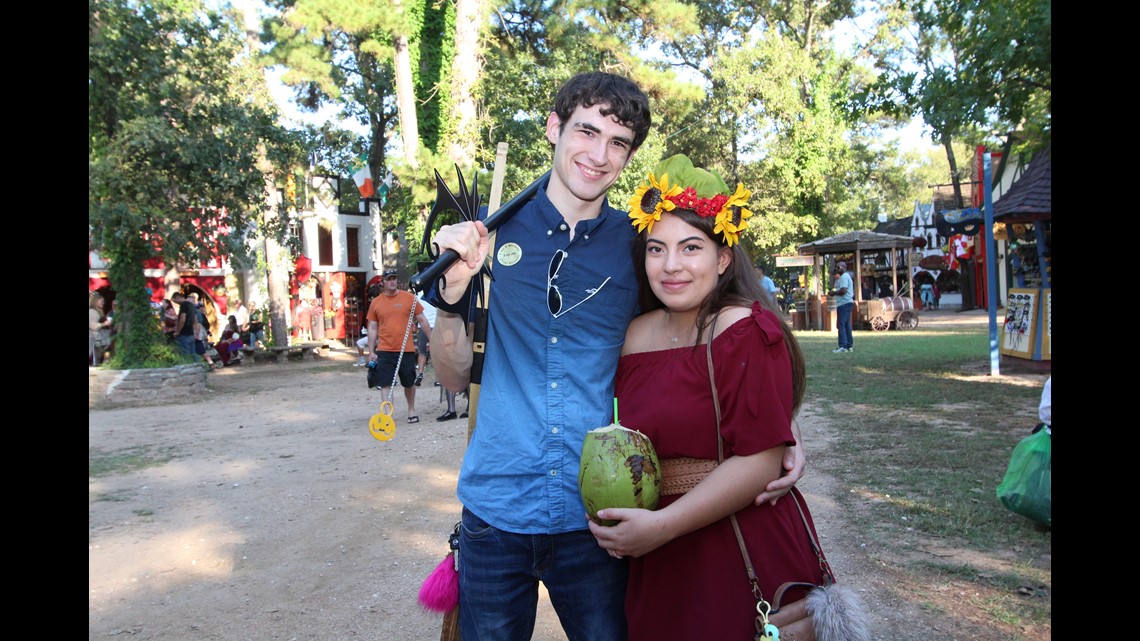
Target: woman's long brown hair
{"points": [[737, 286]]}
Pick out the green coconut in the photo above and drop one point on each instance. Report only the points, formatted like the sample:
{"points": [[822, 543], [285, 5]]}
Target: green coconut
{"points": [[619, 468]]}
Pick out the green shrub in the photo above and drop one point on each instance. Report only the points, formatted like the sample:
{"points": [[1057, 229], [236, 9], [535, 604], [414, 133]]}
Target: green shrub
{"points": [[153, 354]]}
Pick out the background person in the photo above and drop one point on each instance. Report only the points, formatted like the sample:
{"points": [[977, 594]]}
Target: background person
{"points": [[390, 321], [766, 283], [241, 314], [185, 326], [169, 319], [257, 317], [201, 331], [98, 329], [843, 291], [230, 343], [423, 349]]}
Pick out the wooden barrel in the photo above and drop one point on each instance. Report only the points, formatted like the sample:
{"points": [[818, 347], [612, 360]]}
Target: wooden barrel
{"points": [[897, 304]]}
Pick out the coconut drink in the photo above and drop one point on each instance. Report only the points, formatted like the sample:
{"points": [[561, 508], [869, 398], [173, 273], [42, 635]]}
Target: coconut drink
{"points": [[619, 468]]}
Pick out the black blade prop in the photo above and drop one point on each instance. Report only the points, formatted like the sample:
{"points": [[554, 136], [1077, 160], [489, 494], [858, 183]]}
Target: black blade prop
{"points": [[446, 200]]}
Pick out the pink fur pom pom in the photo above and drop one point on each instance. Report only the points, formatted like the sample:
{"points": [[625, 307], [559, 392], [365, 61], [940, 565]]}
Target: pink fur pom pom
{"points": [[440, 591]]}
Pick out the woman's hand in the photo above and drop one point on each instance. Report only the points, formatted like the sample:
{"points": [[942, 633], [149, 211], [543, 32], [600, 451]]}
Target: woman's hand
{"points": [[638, 533]]}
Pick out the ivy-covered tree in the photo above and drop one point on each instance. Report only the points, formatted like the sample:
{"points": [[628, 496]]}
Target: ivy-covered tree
{"points": [[178, 121]]}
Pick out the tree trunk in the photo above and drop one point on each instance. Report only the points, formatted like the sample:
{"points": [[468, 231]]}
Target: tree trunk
{"points": [[276, 260], [278, 276], [466, 68], [406, 101], [953, 170]]}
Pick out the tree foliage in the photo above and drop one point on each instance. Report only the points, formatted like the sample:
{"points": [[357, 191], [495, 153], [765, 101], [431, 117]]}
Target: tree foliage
{"points": [[176, 125], [973, 70]]}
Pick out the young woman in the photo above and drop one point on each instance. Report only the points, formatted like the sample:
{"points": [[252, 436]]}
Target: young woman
{"points": [[169, 319], [230, 343], [687, 576], [98, 329]]}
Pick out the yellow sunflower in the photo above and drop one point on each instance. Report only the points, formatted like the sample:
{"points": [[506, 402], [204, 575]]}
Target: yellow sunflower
{"points": [[650, 200], [727, 223]]}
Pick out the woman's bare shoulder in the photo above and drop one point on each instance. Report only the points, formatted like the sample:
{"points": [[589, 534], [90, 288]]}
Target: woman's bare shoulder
{"points": [[639, 336], [729, 316]]}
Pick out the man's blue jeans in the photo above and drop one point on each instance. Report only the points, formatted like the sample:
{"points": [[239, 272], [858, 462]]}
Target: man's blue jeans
{"points": [[843, 322], [186, 346], [498, 584]]}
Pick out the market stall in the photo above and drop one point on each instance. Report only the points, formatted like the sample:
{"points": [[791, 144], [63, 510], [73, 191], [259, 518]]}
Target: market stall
{"points": [[1023, 217], [867, 253]]}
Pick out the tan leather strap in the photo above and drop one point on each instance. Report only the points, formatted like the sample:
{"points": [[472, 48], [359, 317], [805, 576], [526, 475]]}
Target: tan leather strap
{"points": [[778, 597], [720, 459]]}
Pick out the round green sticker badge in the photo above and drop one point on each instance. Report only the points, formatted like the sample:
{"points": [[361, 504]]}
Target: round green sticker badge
{"points": [[509, 254]]}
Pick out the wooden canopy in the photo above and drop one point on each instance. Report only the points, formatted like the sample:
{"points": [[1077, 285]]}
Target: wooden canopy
{"points": [[859, 242]]}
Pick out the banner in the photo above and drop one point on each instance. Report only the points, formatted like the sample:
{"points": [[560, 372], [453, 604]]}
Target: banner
{"points": [[967, 221]]}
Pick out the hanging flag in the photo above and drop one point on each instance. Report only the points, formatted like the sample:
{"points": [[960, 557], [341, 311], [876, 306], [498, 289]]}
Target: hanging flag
{"points": [[363, 179], [385, 187]]}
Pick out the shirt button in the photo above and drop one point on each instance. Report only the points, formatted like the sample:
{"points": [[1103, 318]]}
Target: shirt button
{"points": [[562, 227], [554, 430], [549, 232], [554, 386], [586, 236], [554, 472], [553, 339]]}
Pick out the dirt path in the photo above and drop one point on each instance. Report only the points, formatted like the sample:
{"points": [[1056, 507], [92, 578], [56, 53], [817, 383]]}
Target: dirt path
{"points": [[278, 516]]}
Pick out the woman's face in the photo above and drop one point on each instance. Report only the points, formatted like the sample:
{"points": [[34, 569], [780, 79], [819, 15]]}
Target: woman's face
{"points": [[682, 263]]}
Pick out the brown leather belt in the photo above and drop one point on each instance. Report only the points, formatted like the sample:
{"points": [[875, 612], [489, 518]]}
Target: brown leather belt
{"points": [[679, 475]]}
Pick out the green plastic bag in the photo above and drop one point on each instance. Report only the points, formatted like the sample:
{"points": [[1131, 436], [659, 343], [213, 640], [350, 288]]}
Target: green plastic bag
{"points": [[1027, 486]]}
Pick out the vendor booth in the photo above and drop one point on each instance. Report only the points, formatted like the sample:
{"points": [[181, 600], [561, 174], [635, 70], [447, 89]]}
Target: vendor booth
{"points": [[870, 256], [1023, 218]]}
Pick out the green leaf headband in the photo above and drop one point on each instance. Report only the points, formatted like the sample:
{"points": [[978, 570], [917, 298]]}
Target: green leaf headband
{"points": [[704, 193]]}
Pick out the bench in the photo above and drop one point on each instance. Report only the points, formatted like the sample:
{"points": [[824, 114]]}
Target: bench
{"points": [[291, 352]]}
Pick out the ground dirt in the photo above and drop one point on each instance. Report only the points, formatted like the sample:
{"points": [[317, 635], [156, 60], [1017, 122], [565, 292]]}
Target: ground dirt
{"points": [[276, 515]]}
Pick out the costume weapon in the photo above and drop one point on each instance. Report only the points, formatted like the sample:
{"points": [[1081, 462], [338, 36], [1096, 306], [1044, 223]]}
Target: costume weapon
{"points": [[440, 590], [467, 205]]}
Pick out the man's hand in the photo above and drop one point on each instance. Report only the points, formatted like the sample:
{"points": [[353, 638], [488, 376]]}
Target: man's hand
{"points": [[795, 463], [471, 241]]}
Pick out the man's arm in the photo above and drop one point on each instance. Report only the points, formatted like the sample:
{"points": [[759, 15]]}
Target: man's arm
{"points": [[794, 463], [373, 328], [425, 326], [178, 325], [451, 346], [451, 354]]}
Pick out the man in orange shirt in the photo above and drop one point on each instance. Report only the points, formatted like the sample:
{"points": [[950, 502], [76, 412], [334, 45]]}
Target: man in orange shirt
{"points": [[390, 319]]}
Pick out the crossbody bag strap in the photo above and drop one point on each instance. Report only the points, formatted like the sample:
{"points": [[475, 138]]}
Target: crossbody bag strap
{"points": [[823, 564], [762, 606]]}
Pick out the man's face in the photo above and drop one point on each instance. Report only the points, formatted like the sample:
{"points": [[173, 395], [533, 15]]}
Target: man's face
{"points": [[590, 152], [840, 267], [391, 283]]}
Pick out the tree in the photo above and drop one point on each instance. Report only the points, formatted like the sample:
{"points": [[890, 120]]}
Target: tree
{"points": [[389, 65], [973, 70], [176, 128]]}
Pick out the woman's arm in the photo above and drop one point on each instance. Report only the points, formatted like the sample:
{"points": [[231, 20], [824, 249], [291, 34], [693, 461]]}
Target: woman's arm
{"points": [[729, 488]]}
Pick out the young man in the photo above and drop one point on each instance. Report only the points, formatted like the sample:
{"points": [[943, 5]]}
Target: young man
{"points": [[390, 318], [563, 294], [766, 283], [844, 301], [184, 327]]}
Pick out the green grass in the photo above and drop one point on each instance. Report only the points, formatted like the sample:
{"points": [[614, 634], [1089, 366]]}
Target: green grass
{"points": [[924, 435], [122, 461]]}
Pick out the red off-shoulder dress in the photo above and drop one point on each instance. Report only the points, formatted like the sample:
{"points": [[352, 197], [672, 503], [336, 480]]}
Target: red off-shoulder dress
{"points": [[696, 586]]}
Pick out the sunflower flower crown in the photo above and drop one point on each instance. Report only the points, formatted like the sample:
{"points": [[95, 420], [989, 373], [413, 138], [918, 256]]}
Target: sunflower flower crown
{"points": [[695, 189]]}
